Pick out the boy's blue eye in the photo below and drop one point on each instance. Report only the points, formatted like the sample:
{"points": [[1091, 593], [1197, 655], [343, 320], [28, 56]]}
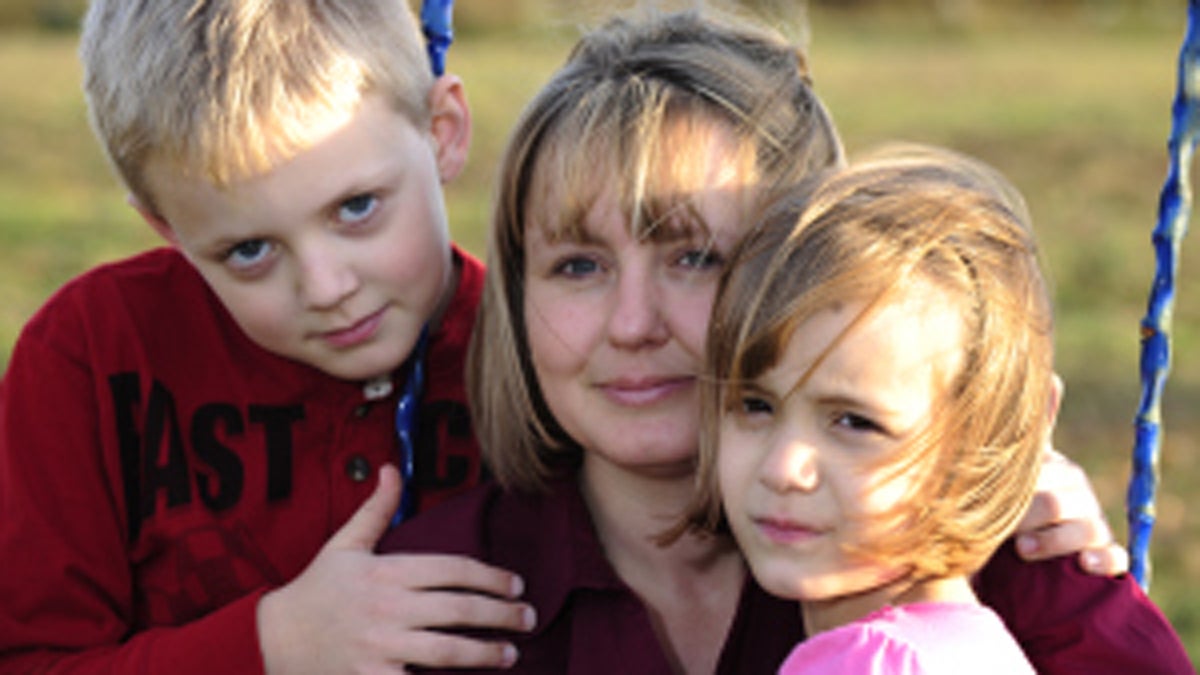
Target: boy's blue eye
{"points": [[357, 208], [248, 253]]}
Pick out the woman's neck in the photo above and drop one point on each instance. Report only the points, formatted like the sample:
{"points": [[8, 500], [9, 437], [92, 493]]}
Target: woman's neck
{"points": [[690, 586], [822, 615], [632, 509]]}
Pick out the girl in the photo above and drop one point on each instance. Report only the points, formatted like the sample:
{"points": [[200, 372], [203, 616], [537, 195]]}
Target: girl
{"points": [[626, 184], [881, 387]]}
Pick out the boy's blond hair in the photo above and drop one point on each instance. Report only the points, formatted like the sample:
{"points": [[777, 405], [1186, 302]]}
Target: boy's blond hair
{"points": [[225, 89], [628, 112], [907, 215]]}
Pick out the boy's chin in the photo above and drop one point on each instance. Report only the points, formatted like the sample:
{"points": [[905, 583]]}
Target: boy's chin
{"points": [[363, 367]]}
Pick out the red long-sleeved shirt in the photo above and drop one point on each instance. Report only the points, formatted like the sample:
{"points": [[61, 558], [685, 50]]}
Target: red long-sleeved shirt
{"points": [[159, 471]]}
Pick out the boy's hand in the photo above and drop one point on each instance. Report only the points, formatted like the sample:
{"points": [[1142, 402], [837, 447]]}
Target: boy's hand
{"points": [[1065, 517], [354, 611]]}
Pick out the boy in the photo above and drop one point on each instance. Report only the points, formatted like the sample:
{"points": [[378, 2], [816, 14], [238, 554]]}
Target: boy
{"points": [[183, 433]]}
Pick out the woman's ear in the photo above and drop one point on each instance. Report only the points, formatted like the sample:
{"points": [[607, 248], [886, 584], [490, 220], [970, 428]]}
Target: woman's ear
{"points": [[450, 125], [155, 221]]}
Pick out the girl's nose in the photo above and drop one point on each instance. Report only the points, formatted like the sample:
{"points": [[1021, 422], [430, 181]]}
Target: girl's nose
{"points": [[790, 465]]}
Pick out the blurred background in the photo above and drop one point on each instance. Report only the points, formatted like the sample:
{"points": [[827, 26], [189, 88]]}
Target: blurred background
{"points": [[1069, 98]]}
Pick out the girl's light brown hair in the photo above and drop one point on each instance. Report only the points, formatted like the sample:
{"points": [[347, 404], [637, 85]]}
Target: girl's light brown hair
{"points": [[618, 116], [865, 234]]}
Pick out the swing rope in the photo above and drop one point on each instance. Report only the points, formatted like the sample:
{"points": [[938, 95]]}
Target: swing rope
{"points": [[1173, 212], [438, 26]]}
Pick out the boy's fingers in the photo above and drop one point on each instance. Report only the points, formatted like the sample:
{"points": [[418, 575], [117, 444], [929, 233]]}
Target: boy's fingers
{"points": [[371, 519], [431, 571], [441, 650], [453, 609]]}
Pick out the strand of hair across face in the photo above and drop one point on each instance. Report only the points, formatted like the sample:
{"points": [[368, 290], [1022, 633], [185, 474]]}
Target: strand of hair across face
{"points": [[1174, 210]]}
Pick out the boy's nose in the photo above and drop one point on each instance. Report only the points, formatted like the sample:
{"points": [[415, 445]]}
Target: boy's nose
{"points": [[636, 319], [325, 280]]}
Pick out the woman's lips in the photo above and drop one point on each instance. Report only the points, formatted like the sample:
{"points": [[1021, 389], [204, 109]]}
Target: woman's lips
{"points": [[645, 391]]}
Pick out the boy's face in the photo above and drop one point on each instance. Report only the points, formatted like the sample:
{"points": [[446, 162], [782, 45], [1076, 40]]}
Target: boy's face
{"points": [[337, 257], [795, 460]]}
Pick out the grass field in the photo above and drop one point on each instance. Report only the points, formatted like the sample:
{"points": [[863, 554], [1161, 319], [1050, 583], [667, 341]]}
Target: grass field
{"points": [[1073, 107]]}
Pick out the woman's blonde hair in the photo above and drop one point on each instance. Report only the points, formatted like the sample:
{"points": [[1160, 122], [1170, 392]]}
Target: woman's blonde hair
{"points": [[223, 89], [621, 115], [906, 215]]}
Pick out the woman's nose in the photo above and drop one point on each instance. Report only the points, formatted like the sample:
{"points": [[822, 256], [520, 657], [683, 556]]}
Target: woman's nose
{"points": [[636, 319]]}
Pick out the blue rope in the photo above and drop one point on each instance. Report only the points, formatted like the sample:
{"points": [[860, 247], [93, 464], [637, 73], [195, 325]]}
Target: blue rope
{"points": [[1173, 212], [437, 23], [407, 425]]}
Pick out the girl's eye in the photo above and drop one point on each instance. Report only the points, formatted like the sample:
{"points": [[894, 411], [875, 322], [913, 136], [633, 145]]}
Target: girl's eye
{"points": [[755, 405], [357, 208], [702, 259], [246, 254], [576, 266], [857, 423]]}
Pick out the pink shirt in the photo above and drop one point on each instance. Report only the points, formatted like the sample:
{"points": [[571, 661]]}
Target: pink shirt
{"points": [[931, 638]]}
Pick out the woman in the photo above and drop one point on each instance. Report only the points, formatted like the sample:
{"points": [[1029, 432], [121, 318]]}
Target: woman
{"points": [[628, 179]]}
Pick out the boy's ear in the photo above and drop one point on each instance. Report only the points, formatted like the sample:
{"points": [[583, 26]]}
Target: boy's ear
{"points": [[450, 125], [155, 221]]}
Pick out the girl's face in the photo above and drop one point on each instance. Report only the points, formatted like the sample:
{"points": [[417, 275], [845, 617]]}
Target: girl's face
{"points": [[793, 460], [617, 322]]}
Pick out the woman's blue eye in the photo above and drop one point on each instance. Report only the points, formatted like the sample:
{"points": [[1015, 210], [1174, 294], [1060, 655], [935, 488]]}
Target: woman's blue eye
{"points": [[248, 253], [576, 267], [357, 208]]}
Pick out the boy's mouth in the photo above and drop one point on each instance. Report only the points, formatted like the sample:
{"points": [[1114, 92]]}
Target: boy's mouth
{"points": [[359, 332]]}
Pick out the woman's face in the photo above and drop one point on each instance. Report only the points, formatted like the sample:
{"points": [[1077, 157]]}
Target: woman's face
{"points": [[617, 322]]}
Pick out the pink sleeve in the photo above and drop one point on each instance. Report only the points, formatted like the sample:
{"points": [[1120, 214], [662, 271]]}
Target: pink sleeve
{"points": [[853, 649]]}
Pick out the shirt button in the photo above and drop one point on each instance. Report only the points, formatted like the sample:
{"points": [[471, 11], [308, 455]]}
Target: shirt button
{"points": [[358, 469], [361, 411]]}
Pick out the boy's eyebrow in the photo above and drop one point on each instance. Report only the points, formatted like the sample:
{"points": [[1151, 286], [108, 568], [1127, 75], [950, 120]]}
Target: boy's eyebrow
{"points": [[376, 180]]}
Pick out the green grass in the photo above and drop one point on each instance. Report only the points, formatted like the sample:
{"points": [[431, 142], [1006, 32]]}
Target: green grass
{"points": [[1073, 107]]}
